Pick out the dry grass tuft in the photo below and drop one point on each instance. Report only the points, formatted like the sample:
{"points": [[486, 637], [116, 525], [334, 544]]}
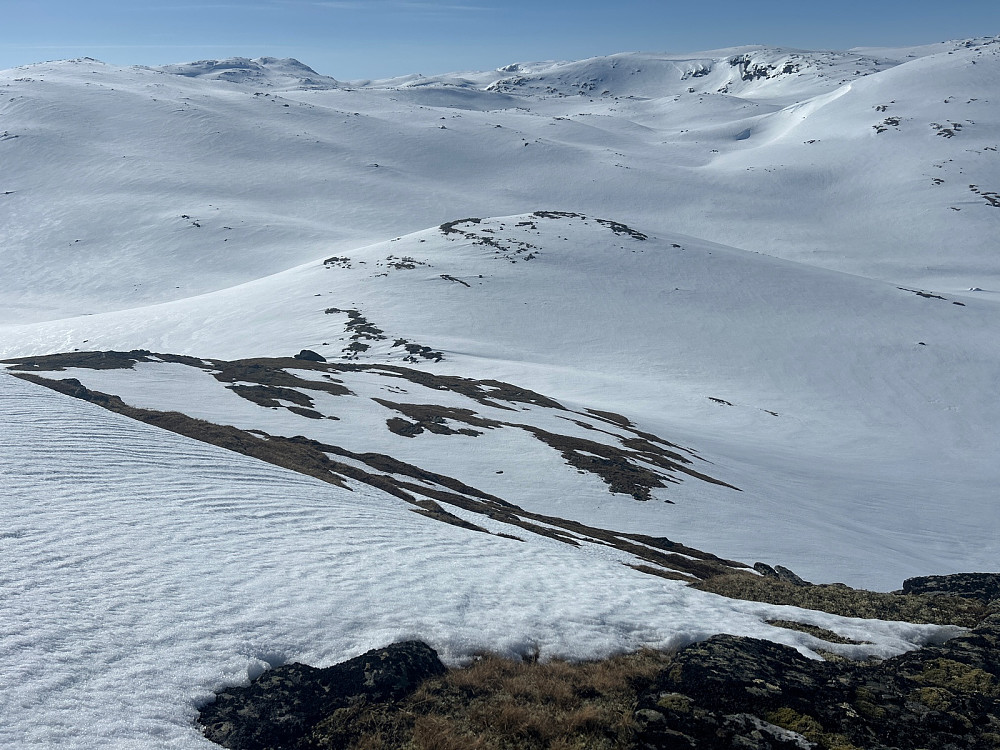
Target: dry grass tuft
{"points": [[839, 599], [439, 733], [500, 704]]}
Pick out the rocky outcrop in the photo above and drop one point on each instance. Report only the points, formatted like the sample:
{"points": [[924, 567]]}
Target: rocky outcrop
{"points": [[984, 587], [724, 693], [781, 573], [310, 356], [730, 692], [280, 708]]}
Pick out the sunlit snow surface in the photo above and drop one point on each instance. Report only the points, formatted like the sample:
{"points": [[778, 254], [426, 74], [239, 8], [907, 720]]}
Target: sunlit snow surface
{"points": [[859, 423], [814, 313], [143, 570]]}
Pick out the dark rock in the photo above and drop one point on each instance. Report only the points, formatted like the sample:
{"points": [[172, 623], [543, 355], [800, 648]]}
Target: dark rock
{"points": [[280, 708], [730, 692], [310, 356], [781, 573], [984, 587], [728, 673]]}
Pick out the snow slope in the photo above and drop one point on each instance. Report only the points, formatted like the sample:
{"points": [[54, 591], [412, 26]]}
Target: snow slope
{"points": [[144, 570], [833, 402]]}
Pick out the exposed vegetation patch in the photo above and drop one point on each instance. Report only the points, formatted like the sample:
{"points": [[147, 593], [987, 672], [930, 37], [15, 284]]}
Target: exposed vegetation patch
{"points": [[634, 467], [928, 295], [723, 693], [513, 250], [503, 249], [406, 263], [622, 229], [839, 599], [361, 330], [623, 470], [435, 418], [450, 227], [609, 416], [630, 461], [557, 215], [992, 198], [491, 704], [268, 395], [363, 333], [888, 122], [815, 631], [86, 360], [271, 373], [948, 130]]}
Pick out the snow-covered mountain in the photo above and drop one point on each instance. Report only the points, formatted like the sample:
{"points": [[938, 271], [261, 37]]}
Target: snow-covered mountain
{"points": [[132, 170], [575, 334], [269, 72]]}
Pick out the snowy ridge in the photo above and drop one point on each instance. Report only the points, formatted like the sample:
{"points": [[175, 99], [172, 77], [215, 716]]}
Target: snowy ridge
{"points": [[753, 72], [269, 72]]}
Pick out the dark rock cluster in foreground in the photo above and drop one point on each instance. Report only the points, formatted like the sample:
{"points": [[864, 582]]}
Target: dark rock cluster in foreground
{"points": [[726, 692], [730, 692], [280, 708]]}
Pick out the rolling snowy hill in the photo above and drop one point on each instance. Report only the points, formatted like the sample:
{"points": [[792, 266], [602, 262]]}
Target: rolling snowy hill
{"points": [[575, 334]]}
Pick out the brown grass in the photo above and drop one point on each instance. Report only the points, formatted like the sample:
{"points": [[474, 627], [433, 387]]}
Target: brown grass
{"points": [[500, 704], [839, 599]]}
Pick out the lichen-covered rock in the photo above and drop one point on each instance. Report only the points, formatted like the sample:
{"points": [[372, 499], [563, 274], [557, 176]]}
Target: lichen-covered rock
{"points": [[982, 586], [781, 573], [280, 708], [940, 697]]}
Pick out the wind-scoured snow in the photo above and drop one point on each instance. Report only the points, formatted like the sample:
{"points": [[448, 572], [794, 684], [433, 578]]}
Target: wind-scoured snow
{"points": [[143, 571], [856, 416]]}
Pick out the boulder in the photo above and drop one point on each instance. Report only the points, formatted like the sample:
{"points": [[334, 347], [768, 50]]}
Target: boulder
{"points": [[280, 708], [731, 692], [310, 356]]}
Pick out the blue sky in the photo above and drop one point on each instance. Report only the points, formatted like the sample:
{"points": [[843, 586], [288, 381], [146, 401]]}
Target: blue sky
{"points": [[351, 39]]}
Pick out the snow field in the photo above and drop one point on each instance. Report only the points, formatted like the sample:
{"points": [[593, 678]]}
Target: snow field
{"points": [[145, 570], [863, 454]]}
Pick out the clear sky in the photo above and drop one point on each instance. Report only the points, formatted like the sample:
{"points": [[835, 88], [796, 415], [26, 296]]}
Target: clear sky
{"points": [[350, 39]]}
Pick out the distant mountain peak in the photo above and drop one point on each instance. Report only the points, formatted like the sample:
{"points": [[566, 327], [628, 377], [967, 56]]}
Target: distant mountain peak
{"points": [[261, 71]]}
